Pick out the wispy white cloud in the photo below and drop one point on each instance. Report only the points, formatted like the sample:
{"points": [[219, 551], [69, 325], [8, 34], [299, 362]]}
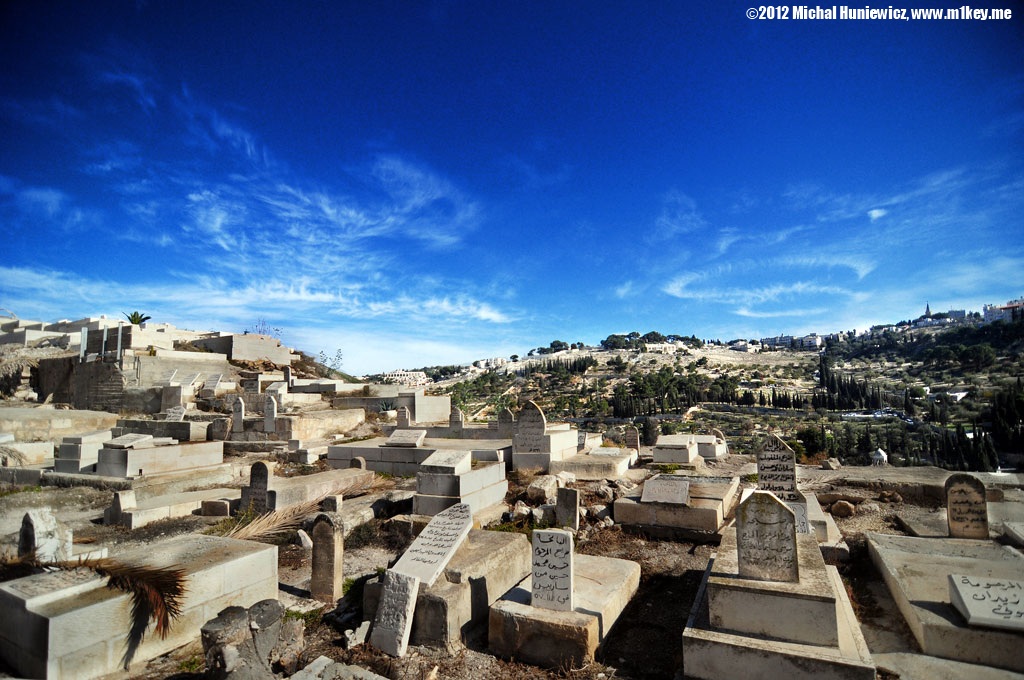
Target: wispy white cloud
{"points": [[877, 213], [789, 313], [679, 215], [625, 290], [134, 82]]}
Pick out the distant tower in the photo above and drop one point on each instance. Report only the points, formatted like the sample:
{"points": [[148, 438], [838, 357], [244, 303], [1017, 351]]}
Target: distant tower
{"points": [[927, 310]]}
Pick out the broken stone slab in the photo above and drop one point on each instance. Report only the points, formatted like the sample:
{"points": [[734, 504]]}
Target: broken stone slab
{"points": [[243, 644], [393, 622], [542, 489], [988, 602], [130, 441], [429, 554]]}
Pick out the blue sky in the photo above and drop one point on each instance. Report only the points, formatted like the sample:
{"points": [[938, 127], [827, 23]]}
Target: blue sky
{"points": [[426, 183]]}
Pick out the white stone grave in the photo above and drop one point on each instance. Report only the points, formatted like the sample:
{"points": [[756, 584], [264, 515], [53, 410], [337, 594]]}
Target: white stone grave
{"points": [[766, 539], [552, 579], [428, 555], [666, 489], [407, 438], [776, 469]]}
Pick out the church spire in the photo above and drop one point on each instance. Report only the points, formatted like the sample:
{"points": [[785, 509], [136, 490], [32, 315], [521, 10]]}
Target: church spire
{"points": [[927, 310]]}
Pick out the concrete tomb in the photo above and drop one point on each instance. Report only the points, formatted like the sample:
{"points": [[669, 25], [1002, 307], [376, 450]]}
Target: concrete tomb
{"points": [[966, 507], [776, 469], [79, 454], [666, 489], [448, 477], [598, 464], [328, 551], [536, 444], [988, 602], [135, 460], [709, 501], [679, 449], [567, 508], [266, 492], [428, 555], [552, 578]]}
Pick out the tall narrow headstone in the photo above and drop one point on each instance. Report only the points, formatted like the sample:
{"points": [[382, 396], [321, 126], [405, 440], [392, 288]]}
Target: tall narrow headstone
{"points": [[328, 553], [966, 507], [530, 429], [456, 421], [581, 440], [799, 508], [402, 417], [83, 346], [393, 622], [288, 376], [270, 414], [766, 539], [567, 508], [632, 438], [776, 469], [506, 424], [42, 533], [259, 481], [238, 415], [552, 580], [429, 554]]}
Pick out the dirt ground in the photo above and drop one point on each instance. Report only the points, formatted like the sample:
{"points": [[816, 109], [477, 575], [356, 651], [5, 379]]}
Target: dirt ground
{"points": [[646, 642]]}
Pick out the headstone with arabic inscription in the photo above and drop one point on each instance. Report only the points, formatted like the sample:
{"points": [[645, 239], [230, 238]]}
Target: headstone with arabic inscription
{"points": [[666, 489], [766, 539], [270, 414], [632, 438], [530, 430], [506, 424], [776, 469], [176, 414], [989, 602], [429, 554], [393, 623], [328, 553], [552, 580], [966, 507]]}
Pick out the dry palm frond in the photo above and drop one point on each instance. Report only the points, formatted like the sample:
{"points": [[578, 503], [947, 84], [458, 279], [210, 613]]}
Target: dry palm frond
{"points": [[274, 524], [156, 592], [11, 456]]}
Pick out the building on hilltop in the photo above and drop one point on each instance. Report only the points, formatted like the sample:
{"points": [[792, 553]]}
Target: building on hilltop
{"points": [[408, 378], [1011, 311]]}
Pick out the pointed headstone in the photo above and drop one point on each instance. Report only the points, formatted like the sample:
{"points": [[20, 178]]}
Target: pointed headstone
{"points": [[530, 430], [632, 438], [506, 424], [41, 532], [766, 539], [238, 415]]}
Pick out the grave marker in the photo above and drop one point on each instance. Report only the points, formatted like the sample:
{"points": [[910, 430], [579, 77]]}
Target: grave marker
{"points": [[989, 602], [456, 420], [176, 414], [270, 414], [666, 489], [567, 508], [393, 623], [581, 440], [966, 507], [238, 415], [506, 424], [530, 430], [429, 554], [632, 438], [130, 441], [42, 533], [552, 582], [776, 469], [259, 481], [328, 554], [402, 417], [799, 508], [409, 438], [766, 539]]}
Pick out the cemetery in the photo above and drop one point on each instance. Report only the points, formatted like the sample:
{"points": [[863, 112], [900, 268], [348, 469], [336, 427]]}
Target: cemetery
{"points": [[310, 532]]}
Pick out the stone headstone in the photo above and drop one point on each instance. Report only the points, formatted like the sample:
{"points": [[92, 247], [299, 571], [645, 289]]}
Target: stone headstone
{"points": [[288, 376], [666, 489], [552, 582], [410, 438], [331, 503], [799, 508], [328, 551], [123, 500], [259, 481], [393, 622], [581, 440], [567, 508], [130, 441], [402, 417], [270, 414], [766, 539], [357, 462], [776, 469], [506, 424], [632, 438], [456, 421], [966, 507], [429, 554], [42, 533], [176, 414], [238, 415], [530, 430], [988, 602]]}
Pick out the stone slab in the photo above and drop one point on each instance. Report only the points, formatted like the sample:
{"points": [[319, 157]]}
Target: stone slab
{"points": [[430, 552], [552, 576], [711, 500], [593, 466], [479, 500], [564, 639], [670, 489], [448, 462], [393, 623], [130, 441], [991, 603], [403, 438], [916, 572]]}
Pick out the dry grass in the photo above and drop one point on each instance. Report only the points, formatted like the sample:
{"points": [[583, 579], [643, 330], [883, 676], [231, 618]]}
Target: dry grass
{"points": [[10, 456]]}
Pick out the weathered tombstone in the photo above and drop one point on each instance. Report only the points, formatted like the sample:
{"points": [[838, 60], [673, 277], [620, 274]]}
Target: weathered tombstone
{"points": [[799, 508], [176, 414], [123, 500], [632, 438], [357, 462], [238, 415], [43, 534], [270, 414], [671, 489], [393, 622], [966, 507], [259, 481], [552, 582], [989, 602], [567, 508], [429, 554], [776, 469], [328, 552], [132, 440], [410, 438], [530, 429], [581, 440], [766, 539], [402, 417], [456, 421], [288, 376], [506, 424]]}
